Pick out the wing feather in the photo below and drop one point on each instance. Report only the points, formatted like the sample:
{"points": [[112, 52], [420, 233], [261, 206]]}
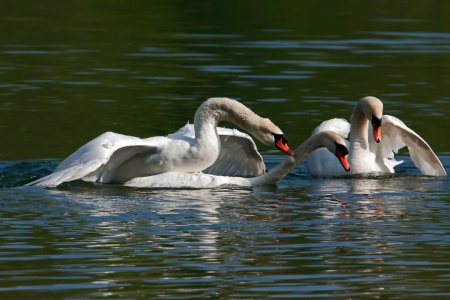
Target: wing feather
{"points": [[98, 159], [395, 135]]}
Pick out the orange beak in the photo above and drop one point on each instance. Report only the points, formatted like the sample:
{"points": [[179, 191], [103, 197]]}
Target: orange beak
{"points": [[284, 147], [376, 132], [343, 159]]}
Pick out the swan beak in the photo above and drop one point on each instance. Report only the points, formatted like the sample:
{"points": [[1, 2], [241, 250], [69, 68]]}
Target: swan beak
{"points": [[376, 133], [342, 156], [281, 143], [284, 147], [376, 124]]}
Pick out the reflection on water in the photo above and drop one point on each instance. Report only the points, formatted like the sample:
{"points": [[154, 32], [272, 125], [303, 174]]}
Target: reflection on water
{"points": [[239, 242], [373, 184], [309, 236], [70, 71]]}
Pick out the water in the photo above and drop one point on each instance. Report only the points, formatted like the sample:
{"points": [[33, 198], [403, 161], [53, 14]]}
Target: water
{"points": [[71, 71]]}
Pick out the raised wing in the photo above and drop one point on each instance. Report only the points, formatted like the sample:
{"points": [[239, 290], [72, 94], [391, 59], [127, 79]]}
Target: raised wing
{"points": [[98, 159], [238, 153], [395, 135], [238, 157]]}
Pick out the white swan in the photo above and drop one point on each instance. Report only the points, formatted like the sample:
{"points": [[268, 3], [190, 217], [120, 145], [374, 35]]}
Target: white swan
{"points": [[113, 157], [372, 150], [332, 141]]}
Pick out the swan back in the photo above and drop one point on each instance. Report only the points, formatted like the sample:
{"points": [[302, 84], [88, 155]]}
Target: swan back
{"points": [[339, 126]]}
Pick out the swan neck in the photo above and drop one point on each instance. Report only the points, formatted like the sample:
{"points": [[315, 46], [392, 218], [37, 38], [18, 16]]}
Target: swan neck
{"points": [[359, 139], [214, 110]]}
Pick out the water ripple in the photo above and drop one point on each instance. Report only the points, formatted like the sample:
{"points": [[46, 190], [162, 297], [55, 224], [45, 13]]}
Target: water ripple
{"points": [[278, 77]]}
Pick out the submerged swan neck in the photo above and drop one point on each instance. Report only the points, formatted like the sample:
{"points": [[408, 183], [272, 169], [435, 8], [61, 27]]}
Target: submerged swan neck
{"points": [[316, 141], [359, 134], [214, 110]]}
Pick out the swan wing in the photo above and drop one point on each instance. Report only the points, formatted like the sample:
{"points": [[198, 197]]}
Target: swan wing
{"points": [[395, 135], [98, 159], [187, 132], [238, 153]]}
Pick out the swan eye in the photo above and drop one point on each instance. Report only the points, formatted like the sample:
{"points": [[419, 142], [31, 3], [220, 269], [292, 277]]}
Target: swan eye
{"points": [[281, 137], [281, 143], [376, 124], [341, 154], [376, 121], [340, 147]]}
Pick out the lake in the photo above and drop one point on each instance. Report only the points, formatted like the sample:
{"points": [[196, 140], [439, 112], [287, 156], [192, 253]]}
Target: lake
{"points": [[72, 71]]}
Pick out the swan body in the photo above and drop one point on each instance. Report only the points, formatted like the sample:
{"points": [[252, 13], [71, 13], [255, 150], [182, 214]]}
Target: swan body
{"points": [[113, 157], [372, 147], [238, 155], [330, 140]]}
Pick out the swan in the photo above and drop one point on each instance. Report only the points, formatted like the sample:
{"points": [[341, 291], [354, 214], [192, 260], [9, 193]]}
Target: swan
{"points": [[373, 150], [330, 140], [113, 157]]}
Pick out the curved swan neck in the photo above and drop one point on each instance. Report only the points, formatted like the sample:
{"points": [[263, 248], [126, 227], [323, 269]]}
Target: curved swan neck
{"points": [[276, 174], [359, 134], [214, 110]]}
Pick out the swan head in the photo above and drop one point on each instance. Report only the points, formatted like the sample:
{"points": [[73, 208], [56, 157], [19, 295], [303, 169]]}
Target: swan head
{"points": [[271, 135], [341, 153], [373, 110], [336, 145]]}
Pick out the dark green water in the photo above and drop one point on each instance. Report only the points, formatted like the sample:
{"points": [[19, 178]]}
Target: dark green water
{"points": [[71, 71]]}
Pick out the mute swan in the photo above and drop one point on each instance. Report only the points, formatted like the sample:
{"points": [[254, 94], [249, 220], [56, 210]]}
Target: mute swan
{"points": [[372, 150], [113, 157], [332, 141]]}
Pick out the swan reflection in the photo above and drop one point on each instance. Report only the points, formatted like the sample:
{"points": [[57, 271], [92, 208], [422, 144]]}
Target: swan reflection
{"points": [[111, 199], [367, 185], [188, 223]]}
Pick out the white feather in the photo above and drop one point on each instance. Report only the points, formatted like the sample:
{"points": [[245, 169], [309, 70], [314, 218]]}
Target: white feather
{"points": [[98, 159]]}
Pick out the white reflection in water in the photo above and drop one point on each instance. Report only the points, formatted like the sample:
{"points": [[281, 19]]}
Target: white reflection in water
{"points": [[374, 185], [373, 198], [169, 209]]}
